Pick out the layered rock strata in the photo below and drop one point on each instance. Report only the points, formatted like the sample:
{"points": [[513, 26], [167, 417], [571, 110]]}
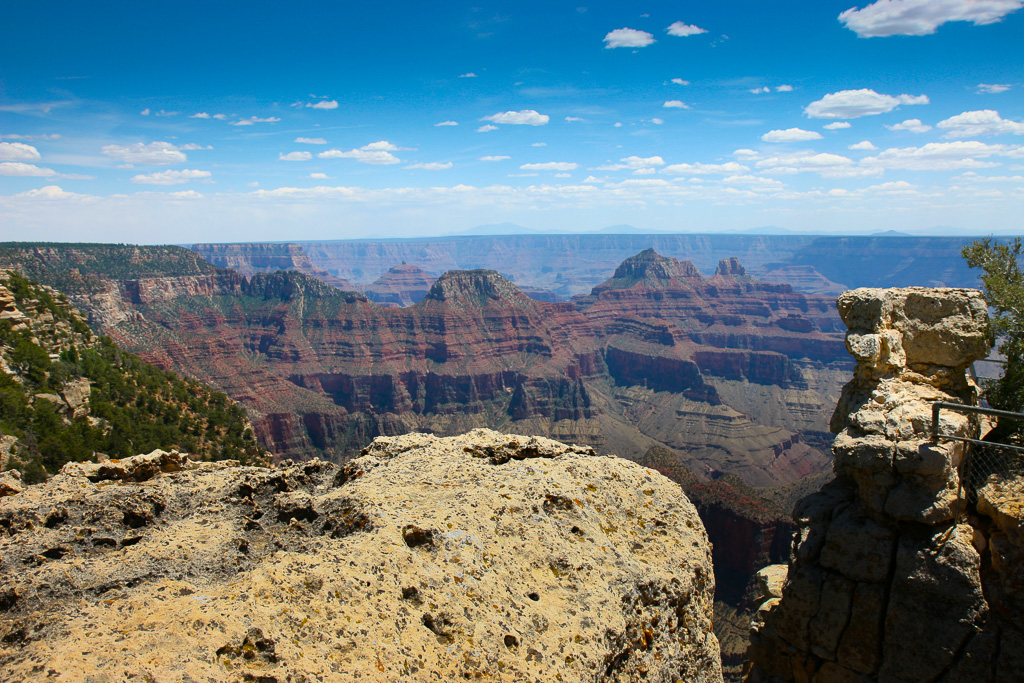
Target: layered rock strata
{"points": [[483, 556], [888, 582]]}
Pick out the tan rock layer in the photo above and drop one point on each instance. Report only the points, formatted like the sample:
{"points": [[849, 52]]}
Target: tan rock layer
{"points": [[884, 584], [484, 556]]}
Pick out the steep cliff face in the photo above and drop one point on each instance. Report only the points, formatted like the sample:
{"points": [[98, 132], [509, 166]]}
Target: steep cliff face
{"points": [[483, 556], [249, 259], [404, 285], [888, 582]]}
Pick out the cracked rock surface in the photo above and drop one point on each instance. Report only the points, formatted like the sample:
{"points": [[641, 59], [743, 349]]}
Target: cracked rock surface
{"points": [[484, 556]]}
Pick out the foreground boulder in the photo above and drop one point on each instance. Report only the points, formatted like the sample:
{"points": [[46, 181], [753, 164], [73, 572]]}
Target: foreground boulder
{"points": [[482, 556], [894, 577]]}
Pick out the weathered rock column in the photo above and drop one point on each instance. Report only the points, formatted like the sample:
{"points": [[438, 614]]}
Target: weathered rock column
{"points": [[884, 585]]}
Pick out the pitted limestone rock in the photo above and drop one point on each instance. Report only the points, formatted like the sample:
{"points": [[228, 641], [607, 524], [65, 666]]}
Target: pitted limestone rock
{"points": [[426, 559]]}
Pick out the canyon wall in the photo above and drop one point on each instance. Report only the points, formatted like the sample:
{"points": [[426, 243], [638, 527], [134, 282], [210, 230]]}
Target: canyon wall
{"points": [[891, 579]]}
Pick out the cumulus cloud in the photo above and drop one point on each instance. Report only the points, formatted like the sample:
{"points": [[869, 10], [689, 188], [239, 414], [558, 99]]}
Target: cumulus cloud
{"points": [[824, 164], [154, 154], [538, 144], [729, 167], [675, 104], [683, 30], [375, 153], [145, 112], [432, 166], [971, 124], [18, 151], [446, 123], [18, 168], [837, 125], [791, 135], [922, 17], [991, 88], [295, 156], [627, 37], [758, 91], [911, 126], [680, 81], [852, 104], [255, 119], [863, 144], [170, 177], [318, 176], [486, 128], [167, 113], [43, 136], [633, 163], [204, 115], [656, 121], [468, 74], [526, 117], [311, 141], [784, 88], [939, 156], [192, 146], [551, 166], [572, 119], [49, 192], [746, 154], [323, 104], [494, 158]]}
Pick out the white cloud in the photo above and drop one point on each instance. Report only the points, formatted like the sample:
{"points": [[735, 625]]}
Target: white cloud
{"points": [[837, 125], [824, 164], [563, 175], [618, 124], [729, 167], [896, 187], [155, 153], [446, 123], [468, 74], [683, 30], [145, 112], [18, 151], [633, 163], [167, 113], [863, 144], [526, 117], [323, 104], [922, 17], [494, 158], [571, 119], [852, 104], [255, 119], [656, 121], [645, 171], [318, 176], [18, 168], [170, 177], [200, 115], [940, 156], [971, 124], [675, 104], [311, 141], [486, 128], [992, 88], [295, 156], [746, 154], [791, 135], [538, 144], [432, 166], [49, 192], [680, 81], [784, 88], [551, 166], [191, 146], [758, 91], [375, 153], [627, 37], [755, 182], [911, 126]]}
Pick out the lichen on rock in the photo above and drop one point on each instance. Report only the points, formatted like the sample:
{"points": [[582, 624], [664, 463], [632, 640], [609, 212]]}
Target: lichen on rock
{"points": [[426, 558]]}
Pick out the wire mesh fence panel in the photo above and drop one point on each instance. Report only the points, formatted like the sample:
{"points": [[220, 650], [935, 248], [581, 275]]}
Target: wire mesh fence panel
{"points": [[990, 462]]}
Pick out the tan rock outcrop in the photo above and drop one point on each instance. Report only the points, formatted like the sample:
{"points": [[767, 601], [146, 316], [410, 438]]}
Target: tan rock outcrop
{"points": [[480, 556], [887, 581]]}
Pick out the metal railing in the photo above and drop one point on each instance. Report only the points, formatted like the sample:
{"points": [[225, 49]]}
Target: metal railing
{"points": [[982, 459]]}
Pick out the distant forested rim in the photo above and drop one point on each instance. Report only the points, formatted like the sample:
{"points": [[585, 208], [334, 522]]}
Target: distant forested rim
{"points": [[66, 394]]}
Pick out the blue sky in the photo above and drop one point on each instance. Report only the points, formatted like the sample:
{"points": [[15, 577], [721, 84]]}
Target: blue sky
{"points": [[232, 121]]}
